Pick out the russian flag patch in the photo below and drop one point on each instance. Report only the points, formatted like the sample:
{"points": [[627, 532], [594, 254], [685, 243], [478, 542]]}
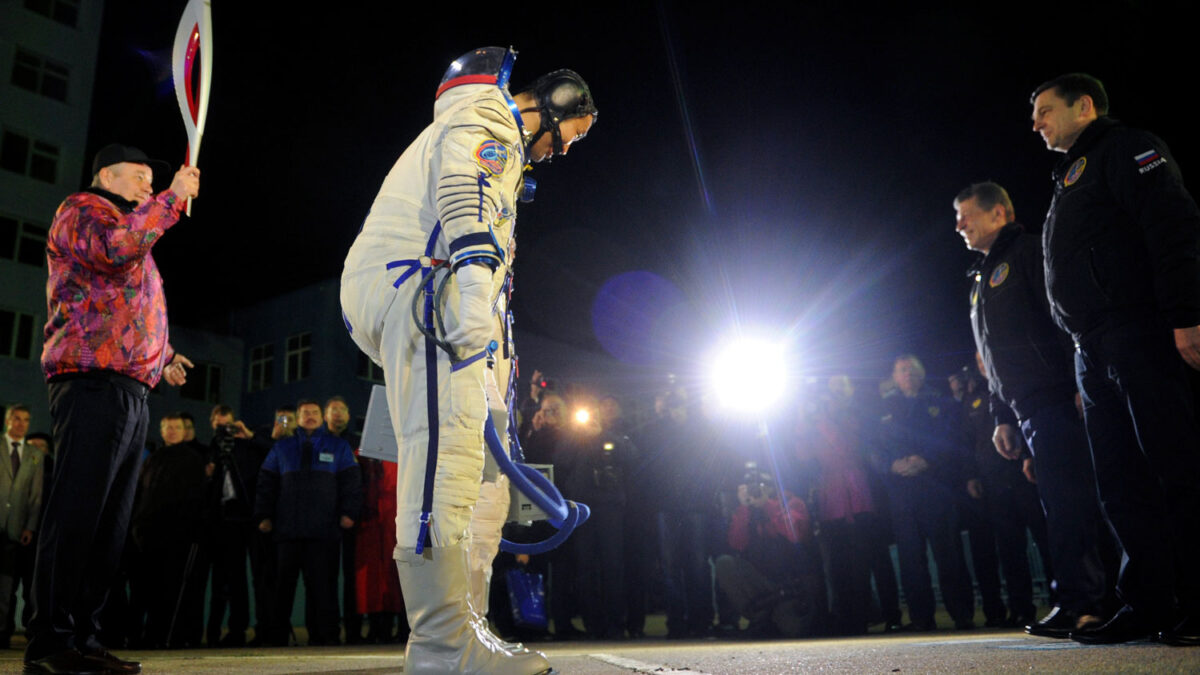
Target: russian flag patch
{"points": [[1146, 157]]}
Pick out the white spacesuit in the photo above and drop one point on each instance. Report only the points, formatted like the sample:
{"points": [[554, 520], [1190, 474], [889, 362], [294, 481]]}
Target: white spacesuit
{"points": [[425, 277]]}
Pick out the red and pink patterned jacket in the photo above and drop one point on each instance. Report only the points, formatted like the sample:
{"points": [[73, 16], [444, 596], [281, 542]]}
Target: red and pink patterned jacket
{"points": [[105, 304]]}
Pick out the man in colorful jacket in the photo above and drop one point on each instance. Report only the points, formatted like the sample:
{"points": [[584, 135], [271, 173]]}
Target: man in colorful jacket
{"points": [[105, 348]]}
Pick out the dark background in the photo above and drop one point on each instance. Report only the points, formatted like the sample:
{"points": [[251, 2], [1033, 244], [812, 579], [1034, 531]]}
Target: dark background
{"points": [[813, 201]]}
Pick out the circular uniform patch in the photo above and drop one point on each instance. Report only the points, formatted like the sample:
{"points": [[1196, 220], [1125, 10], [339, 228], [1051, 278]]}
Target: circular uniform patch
{"points": [[1074, 172], [492, 156], [934, 411], [998, 275]]}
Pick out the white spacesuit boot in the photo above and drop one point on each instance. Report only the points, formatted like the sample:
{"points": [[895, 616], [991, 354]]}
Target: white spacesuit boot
{"points": [[444, 640], [491, 511]]}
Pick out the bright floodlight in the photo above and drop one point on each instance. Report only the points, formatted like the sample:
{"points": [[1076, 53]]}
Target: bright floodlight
{"points": [[582, 415], [749, 374]]}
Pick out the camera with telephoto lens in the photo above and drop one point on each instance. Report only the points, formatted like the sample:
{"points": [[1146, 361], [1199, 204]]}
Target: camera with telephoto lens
{"points": [[757, 483]]}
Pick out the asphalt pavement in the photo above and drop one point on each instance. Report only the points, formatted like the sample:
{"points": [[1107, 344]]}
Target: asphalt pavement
{"points": [[980, 651]]}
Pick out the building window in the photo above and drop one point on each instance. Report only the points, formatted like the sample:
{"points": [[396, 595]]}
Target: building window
{"points": [[203, 383], [299, 357], [262, 367], [24, 155], [22, 241], [65, 12], [17, 335], [368, 369], [39, 75]]}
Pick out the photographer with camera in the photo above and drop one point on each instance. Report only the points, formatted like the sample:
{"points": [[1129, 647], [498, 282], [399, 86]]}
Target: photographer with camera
{"points": [[762, 579], [594, 459], [235, 456]]}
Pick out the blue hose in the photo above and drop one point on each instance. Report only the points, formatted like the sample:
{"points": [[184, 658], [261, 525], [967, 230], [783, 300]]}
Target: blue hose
{"points": [[564, 515]]}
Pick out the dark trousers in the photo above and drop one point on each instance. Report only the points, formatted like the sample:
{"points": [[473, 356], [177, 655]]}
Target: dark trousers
{"points": [[600, 547], [1067, 488], [877, 535], [317, 559], [848, 554], [639, 566], [171, 571], [99, 433], [984, 562], [263, 568], [351, 619], [924, 512], [229, 584], [687, 576], [1012, 508], [1138, 411], [16, 568]]}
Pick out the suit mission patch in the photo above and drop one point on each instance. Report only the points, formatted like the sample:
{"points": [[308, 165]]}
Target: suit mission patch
{"points": [[998, 275], [491, 156], [1074, 172]]}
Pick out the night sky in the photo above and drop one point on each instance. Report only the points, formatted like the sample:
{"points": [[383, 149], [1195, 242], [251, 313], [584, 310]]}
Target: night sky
{"points": [[789, 170]]}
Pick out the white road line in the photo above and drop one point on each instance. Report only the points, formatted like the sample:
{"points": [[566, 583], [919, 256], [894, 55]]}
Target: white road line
{"points": [[640, 667]]}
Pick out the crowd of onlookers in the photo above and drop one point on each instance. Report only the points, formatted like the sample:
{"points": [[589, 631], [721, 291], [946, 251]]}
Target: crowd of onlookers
{"points": [[244, 515], [722, 523], [730, 529]]}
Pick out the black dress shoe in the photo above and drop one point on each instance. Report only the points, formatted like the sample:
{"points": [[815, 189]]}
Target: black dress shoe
{"points": [[922, 626], [69, 662], [1125, 626], [1185, 634], [1060, 623], [111, 662]]}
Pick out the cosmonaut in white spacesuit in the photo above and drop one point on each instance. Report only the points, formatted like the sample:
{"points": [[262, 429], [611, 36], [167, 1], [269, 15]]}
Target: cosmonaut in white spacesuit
{"points": [[428, 277]]}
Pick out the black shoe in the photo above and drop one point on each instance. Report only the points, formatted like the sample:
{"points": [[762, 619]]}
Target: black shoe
{"points": [[1125, 626], [1060, 623], [1185, 634], [111, 662], [71, 661], [1020, 621], [922, 626], [232, 640], [967, 624], [892, 627]]}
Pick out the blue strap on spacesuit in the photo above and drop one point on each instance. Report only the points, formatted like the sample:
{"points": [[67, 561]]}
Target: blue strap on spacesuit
{"points": [[431, 388], [414, 264]]}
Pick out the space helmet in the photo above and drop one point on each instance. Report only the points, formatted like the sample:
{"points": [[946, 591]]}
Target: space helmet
{"points": [[560, 95]]}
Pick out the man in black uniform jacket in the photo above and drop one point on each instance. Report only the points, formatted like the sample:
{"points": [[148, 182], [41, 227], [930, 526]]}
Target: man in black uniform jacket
{"points": [[1122, 260], [1031, 376]]}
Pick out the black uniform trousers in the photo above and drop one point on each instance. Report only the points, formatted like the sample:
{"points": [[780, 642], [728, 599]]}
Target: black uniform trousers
{"points": [[600, 547], [318, 560], [1138, 411], [1074, 524], [100, 421], [924, 512], [230, 588]]}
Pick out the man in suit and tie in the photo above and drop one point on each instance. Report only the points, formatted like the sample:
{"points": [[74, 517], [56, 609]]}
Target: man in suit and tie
{"points": [[21, 480]]}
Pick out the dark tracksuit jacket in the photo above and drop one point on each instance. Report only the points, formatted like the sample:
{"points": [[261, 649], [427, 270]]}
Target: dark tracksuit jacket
{"points": [[1028, 359], [307, 484], [1122, 235]]}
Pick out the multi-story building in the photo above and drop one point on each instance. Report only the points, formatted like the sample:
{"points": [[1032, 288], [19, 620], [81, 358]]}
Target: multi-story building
{"points": [[48, 54]]}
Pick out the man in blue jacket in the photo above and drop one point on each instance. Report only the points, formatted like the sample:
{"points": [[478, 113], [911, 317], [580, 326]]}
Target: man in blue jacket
{"points": [[309, 490]]}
